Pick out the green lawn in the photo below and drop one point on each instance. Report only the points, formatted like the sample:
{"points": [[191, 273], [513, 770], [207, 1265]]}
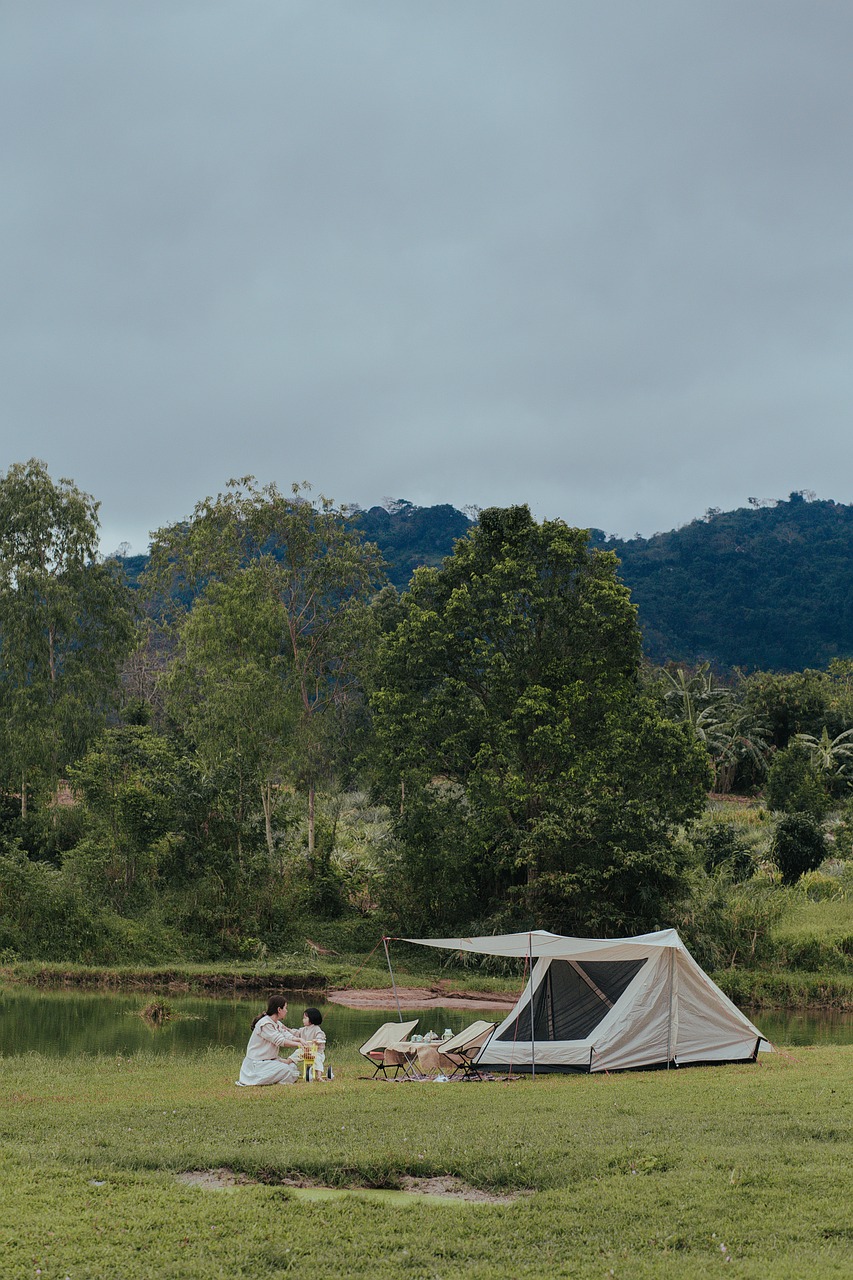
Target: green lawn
{"points": [[687, 1173]]}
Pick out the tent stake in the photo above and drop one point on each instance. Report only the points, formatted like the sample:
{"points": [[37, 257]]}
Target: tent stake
{"points": [[393, 983]]}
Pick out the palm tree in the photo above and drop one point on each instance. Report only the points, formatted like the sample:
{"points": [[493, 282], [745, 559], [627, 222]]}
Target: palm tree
{"points": [[830, 756], [731, 737], [691, 699], [741, 741]]}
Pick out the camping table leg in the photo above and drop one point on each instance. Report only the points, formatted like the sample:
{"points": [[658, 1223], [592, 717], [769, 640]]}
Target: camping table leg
{"points": [[432, 1062], [402, 1059]]}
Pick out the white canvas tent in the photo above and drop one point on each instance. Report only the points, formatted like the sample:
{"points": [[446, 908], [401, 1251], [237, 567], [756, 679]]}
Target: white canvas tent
{"points": [[611, 1004]]}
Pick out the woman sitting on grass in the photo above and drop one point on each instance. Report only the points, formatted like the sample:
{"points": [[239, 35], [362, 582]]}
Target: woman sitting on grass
{"points": [[262, 1064], [312, 1041]]}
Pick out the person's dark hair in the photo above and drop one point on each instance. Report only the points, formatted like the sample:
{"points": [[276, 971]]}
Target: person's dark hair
{"points": [[273, 1005], [314, 1015]]}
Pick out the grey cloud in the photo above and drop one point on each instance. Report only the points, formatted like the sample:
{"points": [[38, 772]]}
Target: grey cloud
{"points": [[591, 256]]}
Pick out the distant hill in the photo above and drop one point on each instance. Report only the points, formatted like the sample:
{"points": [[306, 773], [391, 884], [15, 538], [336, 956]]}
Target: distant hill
{"points": [[410, 536], [767, 587]]}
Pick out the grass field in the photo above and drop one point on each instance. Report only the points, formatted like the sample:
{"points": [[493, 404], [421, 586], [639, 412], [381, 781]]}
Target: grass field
{"points": [[739, 1169]]}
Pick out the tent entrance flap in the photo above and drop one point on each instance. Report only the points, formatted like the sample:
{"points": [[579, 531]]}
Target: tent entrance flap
{"points": [[571, 999]]}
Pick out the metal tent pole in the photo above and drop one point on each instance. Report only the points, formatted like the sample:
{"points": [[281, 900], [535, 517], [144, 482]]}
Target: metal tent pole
{"points": [[669, 1020], [393, 983], [532, 993]]}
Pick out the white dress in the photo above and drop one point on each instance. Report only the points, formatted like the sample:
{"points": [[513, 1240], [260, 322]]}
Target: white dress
{"points": [[262, 1065], [317, 1037]]}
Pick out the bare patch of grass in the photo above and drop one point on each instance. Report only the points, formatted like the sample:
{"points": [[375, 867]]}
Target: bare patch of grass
{"points": [[213, 1179], [448, 1187]]}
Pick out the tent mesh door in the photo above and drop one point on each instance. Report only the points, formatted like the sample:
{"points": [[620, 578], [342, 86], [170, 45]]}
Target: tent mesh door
{"points": [[572, 999]]}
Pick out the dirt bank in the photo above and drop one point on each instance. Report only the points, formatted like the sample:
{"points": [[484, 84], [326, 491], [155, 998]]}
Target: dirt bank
{"points": [[421, 998]]}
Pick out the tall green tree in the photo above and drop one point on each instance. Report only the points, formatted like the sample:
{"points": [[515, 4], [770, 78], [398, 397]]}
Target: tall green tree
{"points": [[229, 689], [127, 783], [66, 625], [510, 722], [318, 576]]}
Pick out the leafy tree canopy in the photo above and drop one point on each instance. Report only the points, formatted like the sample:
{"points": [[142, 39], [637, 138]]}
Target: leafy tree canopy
{"points": [[530, 766], [289, 580], [766, 587], [66, 624]]}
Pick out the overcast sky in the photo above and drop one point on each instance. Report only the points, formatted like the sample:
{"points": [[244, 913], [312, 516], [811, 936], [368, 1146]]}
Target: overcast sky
{"points": [[593, 255]]}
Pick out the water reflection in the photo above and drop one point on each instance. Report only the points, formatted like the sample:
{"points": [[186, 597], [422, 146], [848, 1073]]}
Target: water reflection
{"points": [[74, 1023], [817, 1026], [71, 1022]]}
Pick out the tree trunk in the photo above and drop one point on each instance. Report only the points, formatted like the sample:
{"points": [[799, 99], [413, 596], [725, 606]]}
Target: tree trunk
{"points": [[311, 822], [54, 744], [24, 796], [266, 801]]}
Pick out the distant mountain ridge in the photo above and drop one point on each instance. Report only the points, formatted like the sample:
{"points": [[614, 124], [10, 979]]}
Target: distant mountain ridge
{"points": [[766, 587], [410, 536]]}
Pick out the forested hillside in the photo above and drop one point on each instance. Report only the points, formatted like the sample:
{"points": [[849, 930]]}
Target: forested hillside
{"points": [[763, 587], [768, 587], [408, 536]]}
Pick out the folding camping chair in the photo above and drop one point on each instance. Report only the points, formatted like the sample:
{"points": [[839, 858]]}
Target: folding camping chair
{"points": [[464, 1049], [389, 1035]]}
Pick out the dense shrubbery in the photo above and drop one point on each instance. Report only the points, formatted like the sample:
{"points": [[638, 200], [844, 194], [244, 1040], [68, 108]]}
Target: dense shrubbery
{"points": [[725, 924], [805, 923], [723, 849], [795, 785], [201, 906], [44, 915], [799, 845]]}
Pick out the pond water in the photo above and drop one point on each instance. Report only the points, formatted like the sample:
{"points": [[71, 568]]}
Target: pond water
{"points": [[73, 1022], [818, 1026]]}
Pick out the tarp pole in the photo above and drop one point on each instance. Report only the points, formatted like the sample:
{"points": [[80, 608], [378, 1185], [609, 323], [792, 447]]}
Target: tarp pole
{"points": [[515, 1025], [393, 983], [532, 993], [669, 1021]]}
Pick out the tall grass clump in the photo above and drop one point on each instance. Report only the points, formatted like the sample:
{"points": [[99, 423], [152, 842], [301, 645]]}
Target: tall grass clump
{"points": [[726, 924]]}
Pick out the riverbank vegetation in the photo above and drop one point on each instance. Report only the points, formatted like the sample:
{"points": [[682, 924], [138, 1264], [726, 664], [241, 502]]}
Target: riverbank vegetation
{"points": [[655, 1174], [263, 757]]}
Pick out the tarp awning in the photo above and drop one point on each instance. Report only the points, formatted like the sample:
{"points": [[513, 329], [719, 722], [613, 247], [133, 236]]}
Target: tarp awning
{"points": [[539, 943]]}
